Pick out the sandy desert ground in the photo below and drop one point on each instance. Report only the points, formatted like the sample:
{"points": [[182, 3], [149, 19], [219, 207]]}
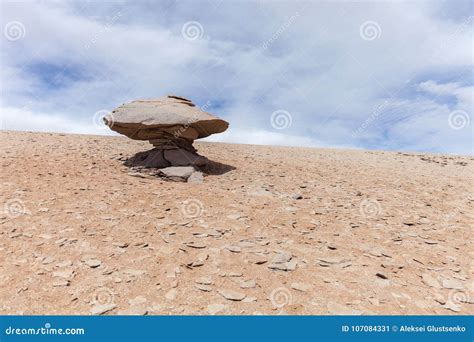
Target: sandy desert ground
{"points": [[288, 231]]}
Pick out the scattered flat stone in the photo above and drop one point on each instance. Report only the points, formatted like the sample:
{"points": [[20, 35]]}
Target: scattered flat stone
{"points": [[133, 272], [246, 244], [120, 244], [248, 284], [286, 266], [196, 177], [137, 174], [296, 196], [281, 258], [61, 283], [202, 287], [250, 299], [452, 306], [339, 309], [258, 259], [133, 311], [381, 275], [329, 261], [177, 171], [452, 284], [194, 244], [137, 301], [199, 261], [93, 263], [64, 273], [234, 249], [231, 295], [234, 216], [430, 281], [303, 287], [283, 262], [64, 263], [171, 294], [102, 309], [204, 281], [215, 308], [235, 274], [47, 260]]}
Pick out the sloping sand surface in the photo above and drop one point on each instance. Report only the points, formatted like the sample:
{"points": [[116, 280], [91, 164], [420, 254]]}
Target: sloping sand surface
{"points": [[289, 230]]}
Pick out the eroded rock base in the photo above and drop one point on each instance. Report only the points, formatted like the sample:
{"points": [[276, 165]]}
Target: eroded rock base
{"points": [[174, 164]]}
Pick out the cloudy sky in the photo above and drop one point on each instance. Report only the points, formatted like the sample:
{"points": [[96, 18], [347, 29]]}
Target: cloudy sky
{"points": [[375, 75]]}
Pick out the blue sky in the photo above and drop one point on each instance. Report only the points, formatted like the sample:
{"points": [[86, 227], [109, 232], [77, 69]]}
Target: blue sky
{"points": [[374, 75]]}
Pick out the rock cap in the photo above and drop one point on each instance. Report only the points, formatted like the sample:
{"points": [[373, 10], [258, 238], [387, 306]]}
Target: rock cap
{"points": [[162, 118]]}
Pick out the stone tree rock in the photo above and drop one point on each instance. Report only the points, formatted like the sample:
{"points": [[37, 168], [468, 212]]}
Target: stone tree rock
{"points": [[170, 124]]}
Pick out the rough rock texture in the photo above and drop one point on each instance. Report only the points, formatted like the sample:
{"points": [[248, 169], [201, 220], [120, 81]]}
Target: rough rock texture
{"points": [[178, 173], [171, 124], [371, 233], [164, 118]]}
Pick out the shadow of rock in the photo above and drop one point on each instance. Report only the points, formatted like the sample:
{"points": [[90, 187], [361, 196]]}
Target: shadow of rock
{"points": [[154, 159], [215, 168], [148, 159]]}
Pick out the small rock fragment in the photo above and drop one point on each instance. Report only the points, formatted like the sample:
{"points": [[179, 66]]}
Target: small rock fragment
{"points": [[234, 249], [452, 284], [296, 196], [93, 263], [102, 309], [430, 281], [133, 311], [215, 308], [61, 283], [196, 177], [248, 284], [301, 287], [283, 262], [202, 287], [171, 294], [231, 295]]}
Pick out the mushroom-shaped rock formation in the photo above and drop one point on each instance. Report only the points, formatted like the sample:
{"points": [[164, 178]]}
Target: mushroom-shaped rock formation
{"points": [[171, 124]]}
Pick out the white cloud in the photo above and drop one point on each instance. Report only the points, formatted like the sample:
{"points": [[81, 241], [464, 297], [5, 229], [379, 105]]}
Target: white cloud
{"points": [[17, 119], [263, 137], [318, 69], [463, 94]]}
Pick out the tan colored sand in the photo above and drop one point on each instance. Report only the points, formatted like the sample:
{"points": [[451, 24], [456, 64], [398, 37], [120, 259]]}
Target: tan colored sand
{"points": [[373, 232]]}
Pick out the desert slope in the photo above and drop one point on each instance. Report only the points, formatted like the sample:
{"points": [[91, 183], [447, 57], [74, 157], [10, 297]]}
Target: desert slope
{"points": [[289, 230]]}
